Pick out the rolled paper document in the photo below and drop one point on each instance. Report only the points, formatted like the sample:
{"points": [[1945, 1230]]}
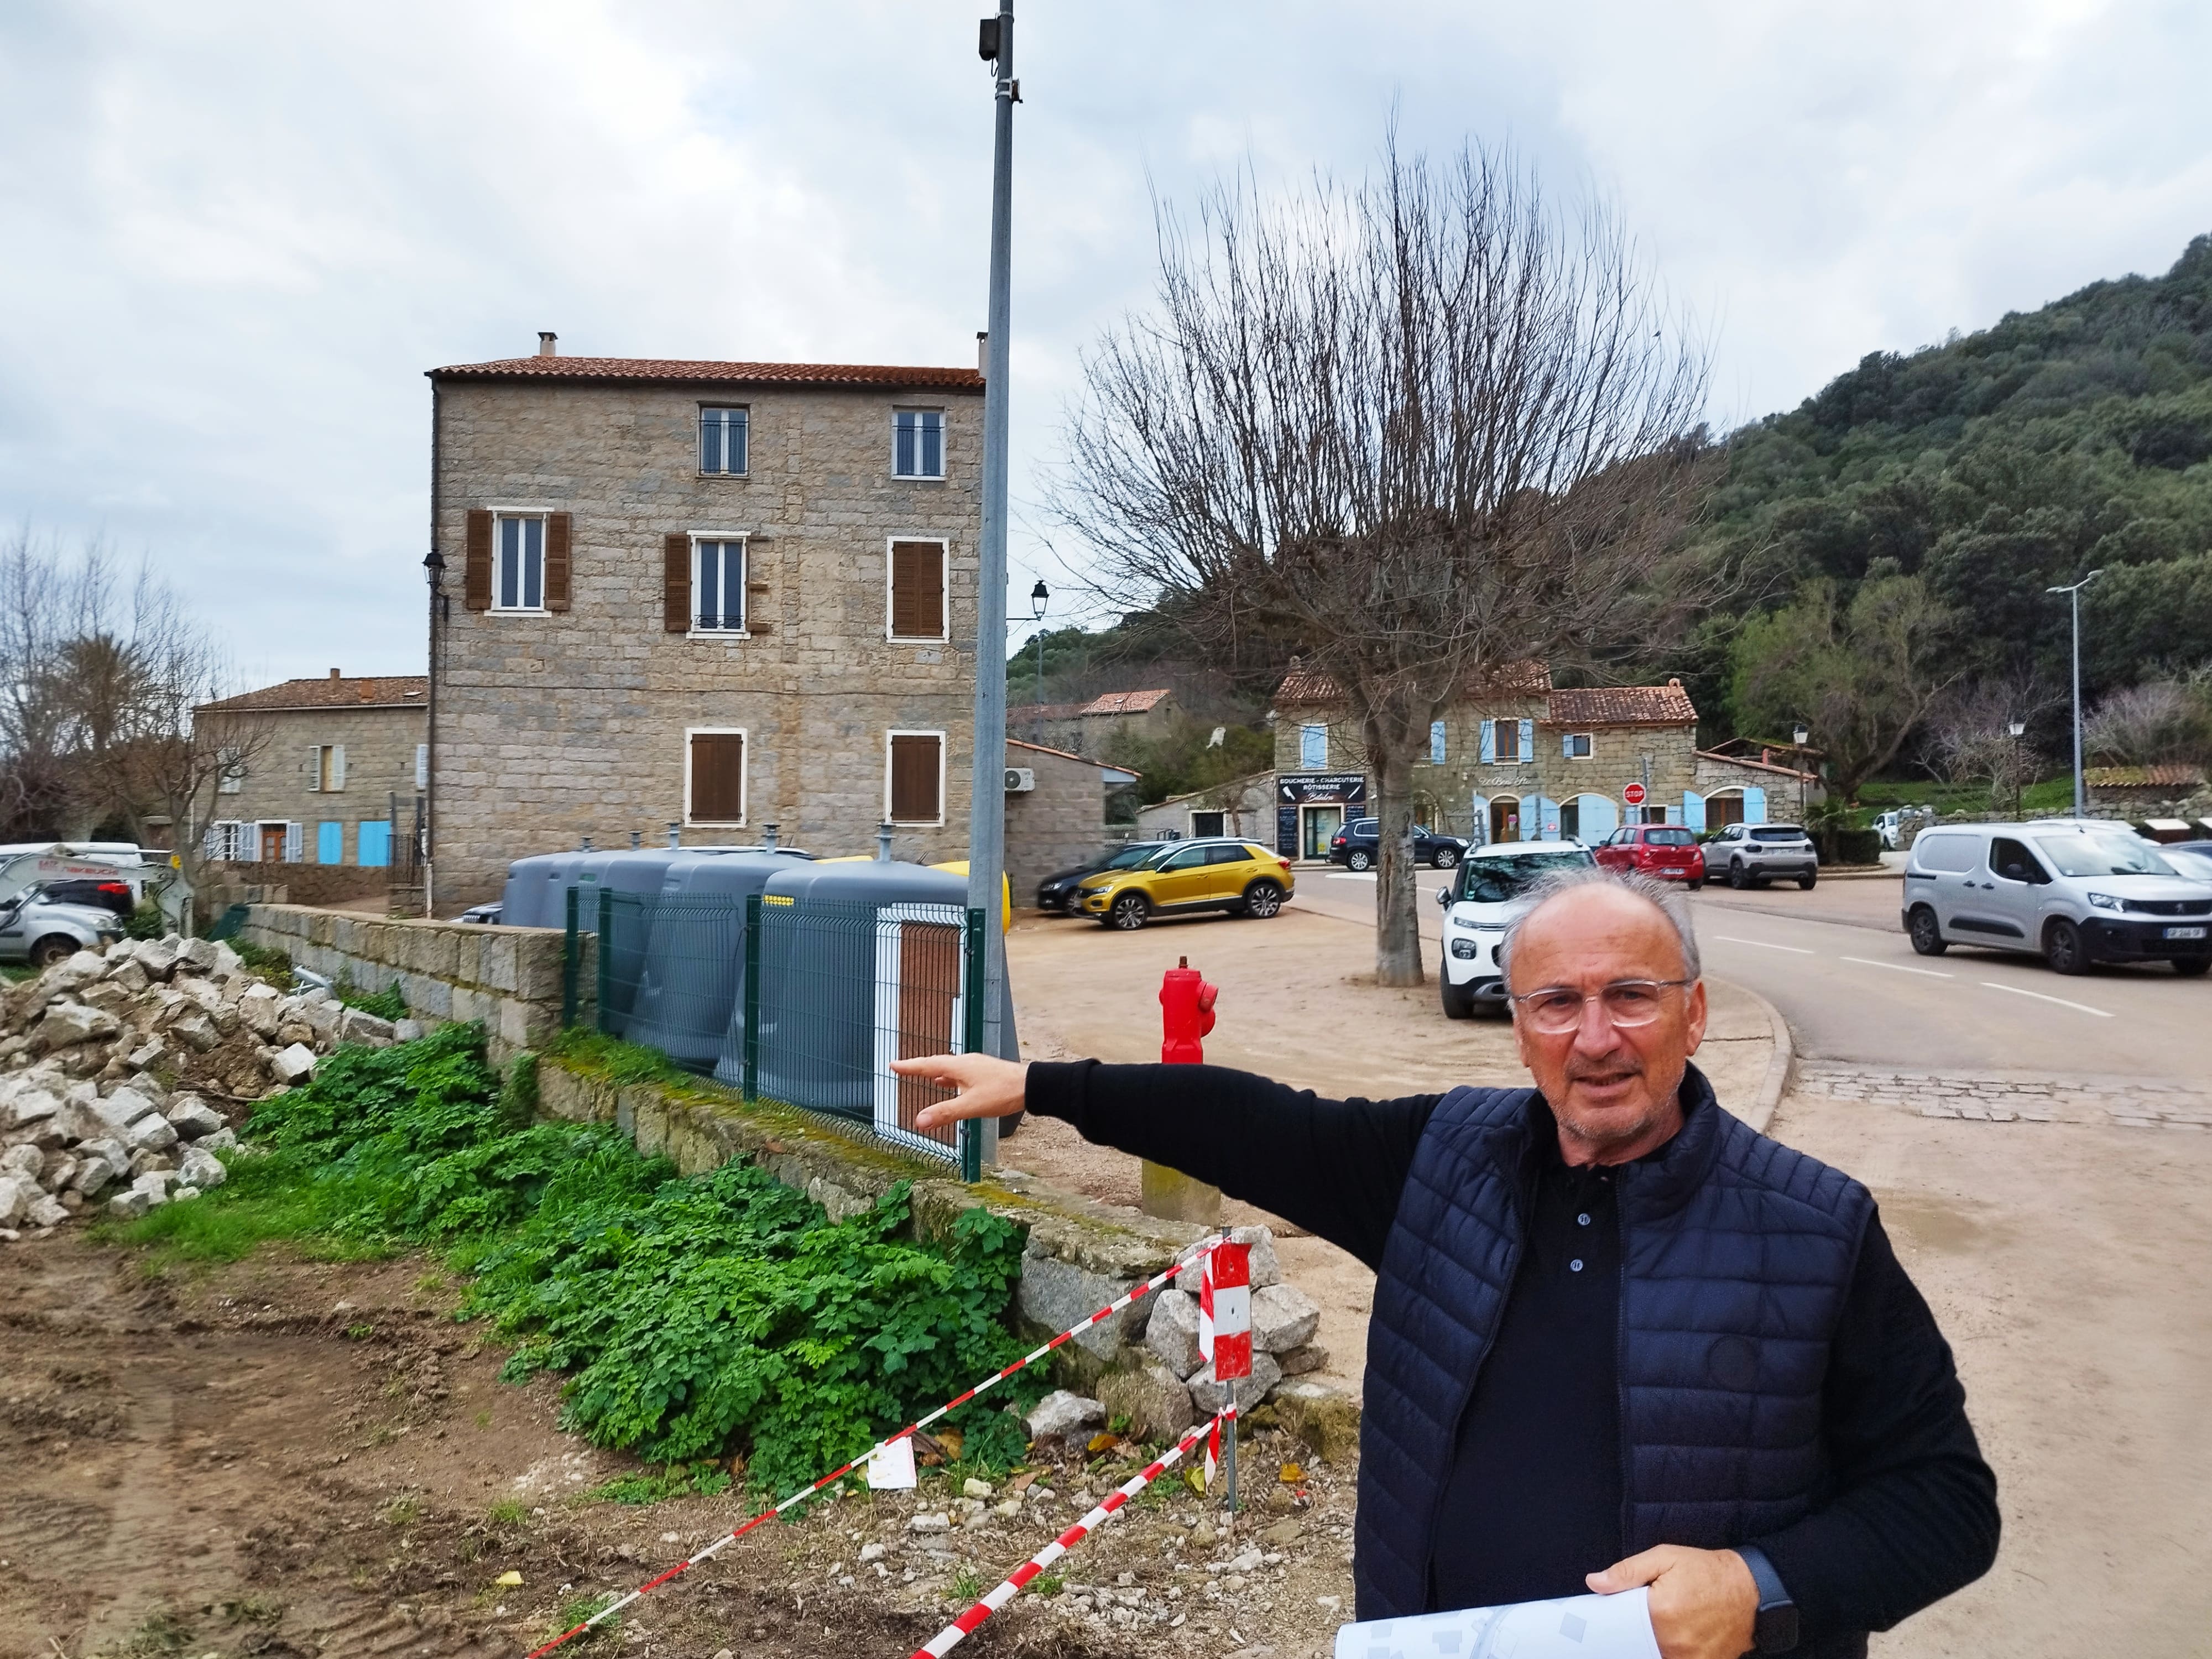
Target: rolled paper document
{"points": [[1575, 1627]]}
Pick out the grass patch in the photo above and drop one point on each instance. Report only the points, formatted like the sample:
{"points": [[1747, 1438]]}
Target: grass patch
{"points": [[386, 1004], [2052, 795], [508, 1512], [576, 1609], [272, 966], [968, 1584], [619, 1062], [677, 1480]]}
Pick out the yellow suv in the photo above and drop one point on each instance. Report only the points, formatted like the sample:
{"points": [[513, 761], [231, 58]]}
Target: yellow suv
{"points": [[1240, 877]]}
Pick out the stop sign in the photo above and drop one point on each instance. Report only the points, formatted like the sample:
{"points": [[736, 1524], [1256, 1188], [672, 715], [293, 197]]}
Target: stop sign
{"points": [[1633, 794]]}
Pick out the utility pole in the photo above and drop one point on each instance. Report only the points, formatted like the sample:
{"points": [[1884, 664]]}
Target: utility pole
{"points": [[987, 807], [2074, 595]]}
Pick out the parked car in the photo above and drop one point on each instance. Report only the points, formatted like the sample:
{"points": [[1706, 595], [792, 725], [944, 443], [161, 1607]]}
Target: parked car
{"points": [[36, 930], [1358, 846], [1489, 889], [1057, 891], [483, 915], [1753, 854], [1665, 851], [103, 895], [2193, 858], [1239, 877], [2073, 896]]}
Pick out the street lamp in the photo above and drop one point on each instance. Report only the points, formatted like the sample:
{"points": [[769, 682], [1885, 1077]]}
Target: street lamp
{"points": [[2018, 730], [1038, 596], [2074, 596], [1798, 737]]}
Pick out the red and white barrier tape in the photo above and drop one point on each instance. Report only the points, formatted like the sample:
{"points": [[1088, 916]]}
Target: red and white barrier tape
{"points": [[956, 1632], [799, 1496]]}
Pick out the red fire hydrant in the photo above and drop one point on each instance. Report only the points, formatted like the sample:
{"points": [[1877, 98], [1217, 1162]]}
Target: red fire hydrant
{"points": [[1186, 1014]]}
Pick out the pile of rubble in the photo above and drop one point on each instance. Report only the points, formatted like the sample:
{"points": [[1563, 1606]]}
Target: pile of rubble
{"points": [[121, 1069]]}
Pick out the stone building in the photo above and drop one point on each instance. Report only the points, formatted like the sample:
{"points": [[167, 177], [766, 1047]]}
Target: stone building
{"points": [[1089, 728], [329, 763], [715, 594], [1515, 758], [1056, 812], [1241, 806]]}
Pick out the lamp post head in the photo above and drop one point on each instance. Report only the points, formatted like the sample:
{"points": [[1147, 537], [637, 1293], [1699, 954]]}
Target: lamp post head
{"points": [[434, 567], [2018, 728], [1038, 596], [1799, 735]]}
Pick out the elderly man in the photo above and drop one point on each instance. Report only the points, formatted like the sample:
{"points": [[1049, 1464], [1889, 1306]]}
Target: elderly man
{"points": [[1618, 1338]]}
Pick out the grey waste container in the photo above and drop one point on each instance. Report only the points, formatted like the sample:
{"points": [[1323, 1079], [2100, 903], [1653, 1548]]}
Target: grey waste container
{"points": [[528, 895], [694, 957]]}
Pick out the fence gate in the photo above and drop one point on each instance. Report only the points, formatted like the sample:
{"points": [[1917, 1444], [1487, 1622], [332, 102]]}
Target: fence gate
{"points": [[921, 1009]]}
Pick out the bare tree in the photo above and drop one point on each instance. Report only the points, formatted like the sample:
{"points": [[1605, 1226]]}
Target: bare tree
{"points": [[2158, 720], [1968, 732], [1416, 430]]}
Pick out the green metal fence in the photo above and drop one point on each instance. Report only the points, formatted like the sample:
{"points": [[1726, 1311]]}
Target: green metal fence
{"points": [[804, 1003]]}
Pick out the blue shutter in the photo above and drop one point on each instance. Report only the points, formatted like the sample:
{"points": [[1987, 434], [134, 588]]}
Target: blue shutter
{"points": [[1527, 741], [1567, 746], [1489, 742], [1436, 743], [375, 843], [1694, 809], [329, 841], [1755, 804], [1547, 811], [1313, 747], [1597, 818]]}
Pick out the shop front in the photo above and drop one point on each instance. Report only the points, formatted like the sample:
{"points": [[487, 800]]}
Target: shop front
{"points": [[1310, 807]]}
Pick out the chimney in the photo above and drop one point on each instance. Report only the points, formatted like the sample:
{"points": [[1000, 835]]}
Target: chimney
{"points": [[982, 352], [548, 343], [334, 673]]}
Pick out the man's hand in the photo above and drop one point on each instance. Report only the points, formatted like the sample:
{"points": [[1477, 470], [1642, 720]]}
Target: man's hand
{"points": [[987, 1087], [1703, 1603]]}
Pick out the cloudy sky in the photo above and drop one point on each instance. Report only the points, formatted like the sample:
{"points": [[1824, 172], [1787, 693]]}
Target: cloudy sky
{"points": [[235, 234]]}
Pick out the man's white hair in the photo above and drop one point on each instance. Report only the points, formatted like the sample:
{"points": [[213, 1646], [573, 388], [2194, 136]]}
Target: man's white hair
{"points": [[1663, 896]]}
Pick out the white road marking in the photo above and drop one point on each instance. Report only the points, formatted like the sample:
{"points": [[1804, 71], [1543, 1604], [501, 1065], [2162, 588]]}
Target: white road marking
{"points": [[1794, 951], [1352, 875], [2079, 1007], [1898, 968]]}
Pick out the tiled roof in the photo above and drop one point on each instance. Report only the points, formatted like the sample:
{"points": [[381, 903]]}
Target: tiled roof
{"points": [[2167, 775], [1104, 766], [1623, 705], [370, 691], [633, 371], [1722, 759], [1112, 702], [1516, 679]]}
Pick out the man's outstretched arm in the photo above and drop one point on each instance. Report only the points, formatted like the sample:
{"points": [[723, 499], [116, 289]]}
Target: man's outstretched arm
{"points": [[1333, 1167]]}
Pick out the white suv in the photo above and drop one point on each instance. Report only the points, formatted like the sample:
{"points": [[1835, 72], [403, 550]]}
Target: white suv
{"points": [[1488, 891]]}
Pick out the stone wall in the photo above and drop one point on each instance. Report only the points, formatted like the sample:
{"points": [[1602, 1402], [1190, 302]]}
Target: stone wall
{"points": [[379, 763], [1246, 806], [297, 884], [510, 978], [1059, 823], [557, 726]]}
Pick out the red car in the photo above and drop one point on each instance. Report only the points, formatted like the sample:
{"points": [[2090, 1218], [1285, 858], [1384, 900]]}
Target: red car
{"points": [[1661, 850]]}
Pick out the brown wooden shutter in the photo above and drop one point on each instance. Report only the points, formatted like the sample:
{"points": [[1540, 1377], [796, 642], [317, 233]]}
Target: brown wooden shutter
{"points": [[475, 576], [917, 590], [557, 561], [717, 777], [676, 582], [914, 779]]}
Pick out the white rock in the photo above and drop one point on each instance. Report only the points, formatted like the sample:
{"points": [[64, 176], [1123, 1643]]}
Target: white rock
{"points": [[871, 1553], [27, 1106], [193, 1026], [200, 1169], [257, 1007], [227, 961], [183, 1192], [92, 1174], [930, 1523], [357, 1025], [293, 1065], [59, 1169], [973, 1487], [1283, 1317], [119, 951], [1172, 1332], [157, 957], [1266, 1269], [198, 955], [155, 1182], [1211, 1395], [407, 1030], [146, 1056], [322, 1017], [81, 968], [1060, 1415], [223, 1140], [28, 1162], [129, 1205], [46, 1212], [124, 1108], [193, 1117], [152, 1133], [69, 1023], [16, 1196]]}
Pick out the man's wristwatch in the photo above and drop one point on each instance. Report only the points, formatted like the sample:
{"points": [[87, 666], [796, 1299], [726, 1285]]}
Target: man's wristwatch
{"points": [[1775, 1628]]}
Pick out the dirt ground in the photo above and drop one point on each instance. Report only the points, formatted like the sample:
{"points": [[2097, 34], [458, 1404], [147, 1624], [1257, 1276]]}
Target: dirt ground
{"points": [[288, 1458]]}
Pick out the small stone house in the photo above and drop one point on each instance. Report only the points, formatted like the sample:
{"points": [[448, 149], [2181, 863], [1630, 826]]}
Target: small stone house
{"points": [[1513, 758], [714, 595], [1241, 806], [1056, 812], [331, 760], [1090, 728]]}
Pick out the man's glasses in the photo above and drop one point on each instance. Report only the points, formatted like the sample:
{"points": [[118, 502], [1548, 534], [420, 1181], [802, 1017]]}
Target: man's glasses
{"points": [[1556, 1009]]}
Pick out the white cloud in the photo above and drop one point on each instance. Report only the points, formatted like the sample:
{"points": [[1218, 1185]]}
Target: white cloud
{"points": [[239, 233]]}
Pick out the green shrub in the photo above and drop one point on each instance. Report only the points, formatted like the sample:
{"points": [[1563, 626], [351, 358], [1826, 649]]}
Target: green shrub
{"points": [[146, 921], [1840, 846], [387, 1004]]}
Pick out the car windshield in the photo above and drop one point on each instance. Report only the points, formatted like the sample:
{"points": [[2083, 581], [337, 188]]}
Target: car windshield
{"points": [[1130, 857], [1778, 832], [1497, 877], [2102, 855]]}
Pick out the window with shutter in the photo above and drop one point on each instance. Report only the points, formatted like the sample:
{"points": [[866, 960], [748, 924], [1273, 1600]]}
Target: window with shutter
{"points": [[718, 586], [916, 783], [421, 766], [917, 596], [557, 561], [334, 767], [676, 582], [716, 777], [476, 580], [314, 768]]}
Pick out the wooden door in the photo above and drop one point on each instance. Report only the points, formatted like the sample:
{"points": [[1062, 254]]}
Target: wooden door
{"points": [[929, 989], [272, 843]]}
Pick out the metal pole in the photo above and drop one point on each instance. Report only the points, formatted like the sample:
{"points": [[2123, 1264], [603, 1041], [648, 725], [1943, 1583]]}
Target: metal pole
{"points": [[987, 805], [2079, 802], [1229, 1450]]}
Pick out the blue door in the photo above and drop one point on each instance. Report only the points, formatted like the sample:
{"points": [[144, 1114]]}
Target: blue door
{"points": [[1754, 804], [329, 841], [375, 842]]}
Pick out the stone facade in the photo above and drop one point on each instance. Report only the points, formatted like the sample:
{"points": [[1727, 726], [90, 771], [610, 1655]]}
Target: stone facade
{"points": [[1059, 823], [328, 757], [558, 724], [1242, 807], [1093, 727], [1736, 790]]}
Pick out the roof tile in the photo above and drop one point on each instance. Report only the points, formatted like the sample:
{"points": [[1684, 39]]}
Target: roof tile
{"points": [[632, 371], [368, 690]]}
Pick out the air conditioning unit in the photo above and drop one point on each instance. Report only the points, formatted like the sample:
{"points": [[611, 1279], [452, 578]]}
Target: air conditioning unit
{"points": [[1020, 780]]}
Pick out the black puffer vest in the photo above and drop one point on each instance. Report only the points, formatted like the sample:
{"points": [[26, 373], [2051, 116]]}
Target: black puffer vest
{"points": [[1735, 1255]]}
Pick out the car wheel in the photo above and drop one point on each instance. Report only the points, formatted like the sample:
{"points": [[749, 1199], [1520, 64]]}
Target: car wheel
{"points": [[2063, 948], [1458, 999], [1695, 883], [2190, 967], [55, 947], [1926, 932], [1806, 882], [1736, 877], [1445, 858], [1360, 861], [1262, 899], [1128, 912]]}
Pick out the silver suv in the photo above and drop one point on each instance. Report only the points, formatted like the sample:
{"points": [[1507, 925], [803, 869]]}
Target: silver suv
{"points": [[2073, 895], [1753, 854], [33, 929]]}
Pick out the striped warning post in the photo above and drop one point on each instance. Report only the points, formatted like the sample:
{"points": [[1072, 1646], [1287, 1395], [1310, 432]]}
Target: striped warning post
{"points": [[958, 1630], [804, 1493]]}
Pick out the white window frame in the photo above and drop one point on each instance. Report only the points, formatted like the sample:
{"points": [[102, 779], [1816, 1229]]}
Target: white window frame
{"points": [[915, 731], [699, 440], [499, 516], [230, 772], [1588, 738], [944, 588], [326, 760], [744, 539], [744, 775], [944, 433]]}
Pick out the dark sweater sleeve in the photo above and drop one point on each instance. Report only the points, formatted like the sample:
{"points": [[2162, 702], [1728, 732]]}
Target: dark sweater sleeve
{"points": [[1332, 1167], [1915, 1515]]}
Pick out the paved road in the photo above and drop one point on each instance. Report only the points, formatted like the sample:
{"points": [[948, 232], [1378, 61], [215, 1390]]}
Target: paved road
{"points": [[1838, 965]]}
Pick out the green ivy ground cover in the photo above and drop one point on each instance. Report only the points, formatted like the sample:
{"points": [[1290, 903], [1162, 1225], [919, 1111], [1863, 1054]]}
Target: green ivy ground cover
{"points": [[692, 1317]]}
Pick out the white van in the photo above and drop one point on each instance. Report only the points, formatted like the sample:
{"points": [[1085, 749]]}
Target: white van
{"points": [[2075, 894]]}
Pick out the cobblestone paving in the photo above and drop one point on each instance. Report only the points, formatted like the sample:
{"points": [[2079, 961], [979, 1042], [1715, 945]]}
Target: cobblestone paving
{"points": [[2014, 1097]]}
